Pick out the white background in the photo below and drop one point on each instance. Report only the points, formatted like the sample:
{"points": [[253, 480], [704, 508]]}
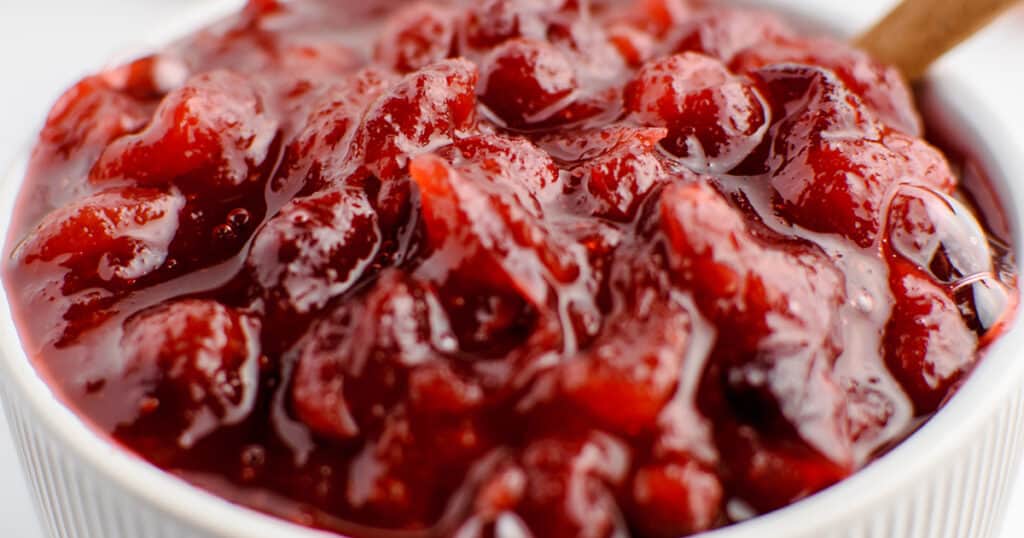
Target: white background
{"points": [[45, 45]]}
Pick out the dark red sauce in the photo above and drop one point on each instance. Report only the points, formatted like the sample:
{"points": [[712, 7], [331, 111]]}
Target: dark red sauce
{"points": [[503, 267]]}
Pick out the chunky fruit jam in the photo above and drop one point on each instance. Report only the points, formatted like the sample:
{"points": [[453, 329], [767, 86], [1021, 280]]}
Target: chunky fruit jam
{"points": [[502, 268]]}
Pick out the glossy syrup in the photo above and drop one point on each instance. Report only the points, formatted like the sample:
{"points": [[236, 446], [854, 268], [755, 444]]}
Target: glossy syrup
{"points": [[504, 268]]}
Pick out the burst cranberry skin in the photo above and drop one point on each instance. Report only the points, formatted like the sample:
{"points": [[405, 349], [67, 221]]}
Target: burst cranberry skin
{"points": [[111, 239], [423, 110], [769, 475], [560, 486], [322, 154], [527, 82], [210, 137], [492, 22], [538, 268], [659, 17], [724, 33], [676, 498], [928, 346], [881, 87], [313, 250], [212, 140], [745, 287], [629, 373], [415, 37], [84, 120], [496, 231], [354, 359], [200, 360], [398, 480], [512, 163], [714, 119], [827, 182], [627, 169], [924, 164]]}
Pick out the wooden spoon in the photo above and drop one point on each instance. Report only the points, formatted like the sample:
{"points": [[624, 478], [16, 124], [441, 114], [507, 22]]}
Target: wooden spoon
{"points": [[918, 32]]}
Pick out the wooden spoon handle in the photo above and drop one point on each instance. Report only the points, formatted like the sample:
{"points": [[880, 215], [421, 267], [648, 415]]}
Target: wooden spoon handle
{"points": [[918, 32]]}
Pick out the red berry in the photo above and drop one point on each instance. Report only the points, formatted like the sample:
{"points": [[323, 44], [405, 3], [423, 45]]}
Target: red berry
{"points": [[111, 239], [526, 83], [714, 119], [881, 87], [778, 303], [628, 374], [928, 345], [423, 111], [622, 167], [672, 499], [416, 36], [925, 165], [725, 32], [211, 136], [403, 477], [199, 361], [490, 22], [557, 487], [508, 163], [352, 363], [501, 241], [323, 153], [88, 117], [828, 165], [768, 474], [313, 250]]}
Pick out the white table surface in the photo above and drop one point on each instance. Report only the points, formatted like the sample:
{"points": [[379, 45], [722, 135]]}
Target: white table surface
{"points": [[45, 45]]}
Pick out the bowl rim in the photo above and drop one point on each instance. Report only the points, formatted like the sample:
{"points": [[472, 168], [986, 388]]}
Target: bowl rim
{"points": [[997, 377]]}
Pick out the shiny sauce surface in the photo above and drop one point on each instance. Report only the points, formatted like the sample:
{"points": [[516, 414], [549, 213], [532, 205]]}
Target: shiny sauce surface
{"points": [[502, 268]]}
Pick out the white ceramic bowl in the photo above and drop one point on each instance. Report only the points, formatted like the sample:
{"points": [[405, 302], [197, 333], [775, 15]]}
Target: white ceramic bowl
{"points": [[948, 480]]}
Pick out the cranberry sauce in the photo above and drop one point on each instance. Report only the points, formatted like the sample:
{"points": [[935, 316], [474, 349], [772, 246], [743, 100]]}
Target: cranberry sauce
{"points": [[543, 268]]}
